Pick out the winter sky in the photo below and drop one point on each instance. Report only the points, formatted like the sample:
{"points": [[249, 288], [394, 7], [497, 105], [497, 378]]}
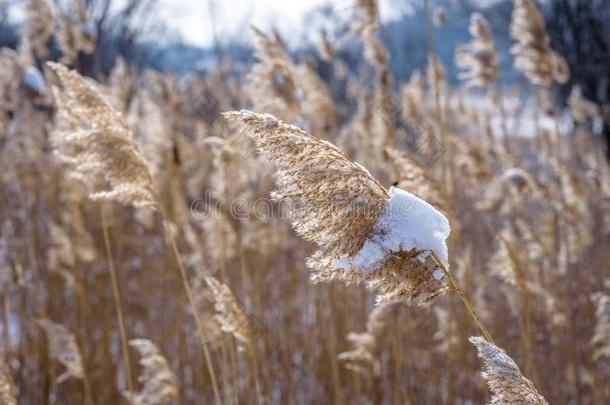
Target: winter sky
{"points": [[196, 21]]}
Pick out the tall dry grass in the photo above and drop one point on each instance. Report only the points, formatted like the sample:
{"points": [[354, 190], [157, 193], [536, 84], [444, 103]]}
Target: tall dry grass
{"points": [[142, 259]]}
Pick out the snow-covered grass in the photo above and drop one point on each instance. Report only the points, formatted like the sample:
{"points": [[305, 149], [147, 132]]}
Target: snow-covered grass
{"points": [[406, 223]]}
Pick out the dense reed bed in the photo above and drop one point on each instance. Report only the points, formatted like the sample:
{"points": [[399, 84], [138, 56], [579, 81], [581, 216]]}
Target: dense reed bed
{"points": [[297, 248]]}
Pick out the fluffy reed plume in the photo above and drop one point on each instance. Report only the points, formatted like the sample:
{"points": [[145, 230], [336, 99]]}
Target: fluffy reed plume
{"points": [[316, 171], [507, 262], [76, 32], [223, 246], [9, 69], [411, 95], [365, 234], [366, 16], [365, 24], [581, 108], [63, 348], [122, 83], [478, 58], [159, 383], [533, 55], [413, 176], [317, 105], [67, 39], [601, 337], [512, 185], [271, 84], [507, 384], [82, 241], [363, 356], [561, 69], [61, 255], [446, 336], [38, 28], [93, 139], [205, 301], [86, 28], [7, 397], [229, 314], [293, 92], [472, 161]]}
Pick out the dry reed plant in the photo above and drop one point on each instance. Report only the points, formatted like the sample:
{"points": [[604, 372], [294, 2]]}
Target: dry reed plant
{"points": [[581, 108], [412, 175], [76, 32], [158, 380], [39, 26], [507, 384], [229, 315], [478, 58], [338, 204], [601, 338], [6, 384], [205, 301], [510, 266], [365, 24], [291, 91], [124, 193], [533, 55], [363, 356], [103, 146], [63, 348], [272, 82], [93, 140], [513, 184]]}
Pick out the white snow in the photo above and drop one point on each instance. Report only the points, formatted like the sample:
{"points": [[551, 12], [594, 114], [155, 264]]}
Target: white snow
{"points": [[407, 222], [437, 274], [32, 79], [342, 264], [523, 118]]}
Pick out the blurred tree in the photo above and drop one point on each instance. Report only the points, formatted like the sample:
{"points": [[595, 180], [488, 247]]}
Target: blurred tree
{"points": [[8, 30], [122, 27], [579, 31]]}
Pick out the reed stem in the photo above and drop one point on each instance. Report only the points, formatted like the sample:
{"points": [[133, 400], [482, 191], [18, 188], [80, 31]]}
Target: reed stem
{"points": [[437, 101], [117, 300], [464, 298], [189, 294]]}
